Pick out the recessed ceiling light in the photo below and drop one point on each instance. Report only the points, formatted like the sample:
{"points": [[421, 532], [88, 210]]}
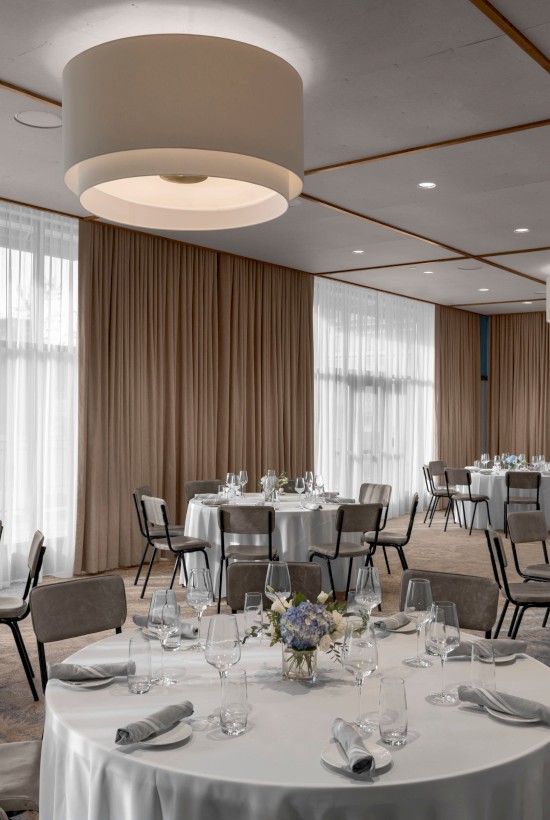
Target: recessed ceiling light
{"points": [[527, 303], [483, 290], [522, 230], [38, 119], [412, 268], [428, 272], [426, 185], [358, 251]]}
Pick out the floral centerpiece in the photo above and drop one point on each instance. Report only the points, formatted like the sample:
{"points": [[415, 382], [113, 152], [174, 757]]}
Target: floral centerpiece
{"points": [[303, 627], [512, 462], [271, 484]]}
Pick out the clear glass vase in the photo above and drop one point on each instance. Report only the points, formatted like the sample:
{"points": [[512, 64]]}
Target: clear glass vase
{"points": [[299, 664]]}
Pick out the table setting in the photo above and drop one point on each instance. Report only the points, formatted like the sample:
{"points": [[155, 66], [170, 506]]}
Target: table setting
{"points": [[236, 736]]}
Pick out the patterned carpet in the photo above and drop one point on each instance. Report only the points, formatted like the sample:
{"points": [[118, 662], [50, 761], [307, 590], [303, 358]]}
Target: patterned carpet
{"points": [[430, 548]]}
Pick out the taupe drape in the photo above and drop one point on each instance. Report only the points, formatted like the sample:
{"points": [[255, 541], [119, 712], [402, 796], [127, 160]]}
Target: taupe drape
{"points": [[519, 384], [457, 386], [189, 365]]}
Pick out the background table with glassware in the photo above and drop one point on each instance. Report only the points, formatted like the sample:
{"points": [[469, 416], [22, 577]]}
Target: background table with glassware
{"points": [[493, 484], [296, 528], [458, 762]]}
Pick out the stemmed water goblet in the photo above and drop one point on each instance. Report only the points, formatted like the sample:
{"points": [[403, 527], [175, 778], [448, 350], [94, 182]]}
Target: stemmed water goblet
{"points": [[496, 461], [277, 581], [360, 657], [170, 637], [443, 637], [300, 486], [223, 647], [253, 614], [308, 478], [484, 460], [200, 595], [368, 593], [243, 480], [230, 483], [319, 486], [417, 606]]}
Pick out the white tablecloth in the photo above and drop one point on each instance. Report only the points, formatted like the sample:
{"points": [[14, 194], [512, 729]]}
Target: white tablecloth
{"points": [[295, 530], [459, 763], [495, 487]]}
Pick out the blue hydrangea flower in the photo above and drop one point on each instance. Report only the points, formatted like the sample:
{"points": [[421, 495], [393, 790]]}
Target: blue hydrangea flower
{"points": [[303, 626]]}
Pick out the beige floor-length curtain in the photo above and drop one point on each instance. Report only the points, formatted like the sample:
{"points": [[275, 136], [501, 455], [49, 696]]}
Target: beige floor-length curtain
{"points": [[457, 386], [265, 413], [147, 382], [519, 384]]}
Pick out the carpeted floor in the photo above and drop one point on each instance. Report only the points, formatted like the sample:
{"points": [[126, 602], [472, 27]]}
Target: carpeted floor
{"points": [[430, 548]]}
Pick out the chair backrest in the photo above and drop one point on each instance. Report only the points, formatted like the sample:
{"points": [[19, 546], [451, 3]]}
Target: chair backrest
{"points": [[246, 519], [522, 480], [249, 576], [358, 518], [412, 513], [71, 609], [138, 494], [436, 469], [34, 562], [476, 598], [427, 478], [528, 526], [499, 562], [457, 476], [207, 485], [154, 511], [290, 486], [375, 494]]}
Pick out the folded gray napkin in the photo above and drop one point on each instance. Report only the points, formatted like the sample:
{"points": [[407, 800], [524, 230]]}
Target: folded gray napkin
{"points": [[360, 759], [501, 702], [187, 630], [392, 622], [213, 502], [502, 647], [75, 672], [340, 500], [155, 724], [312, 506]]}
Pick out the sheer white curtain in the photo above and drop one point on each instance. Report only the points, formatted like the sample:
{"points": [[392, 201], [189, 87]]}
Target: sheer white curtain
{"points": [[38, 378], [374, 390]]}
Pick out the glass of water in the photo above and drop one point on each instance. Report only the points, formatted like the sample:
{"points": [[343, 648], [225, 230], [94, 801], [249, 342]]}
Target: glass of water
{"points": [[393, 711], [234, 705]]}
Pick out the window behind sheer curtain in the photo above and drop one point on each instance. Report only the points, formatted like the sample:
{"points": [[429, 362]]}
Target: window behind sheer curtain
{"points": [[38, 387], [374, 390]]}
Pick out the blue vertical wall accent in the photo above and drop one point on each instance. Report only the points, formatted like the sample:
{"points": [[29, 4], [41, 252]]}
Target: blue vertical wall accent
{"points": [[484, 339]]}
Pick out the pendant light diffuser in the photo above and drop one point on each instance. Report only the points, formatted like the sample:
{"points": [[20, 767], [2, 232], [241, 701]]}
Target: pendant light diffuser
{"points": [[182, 132]]}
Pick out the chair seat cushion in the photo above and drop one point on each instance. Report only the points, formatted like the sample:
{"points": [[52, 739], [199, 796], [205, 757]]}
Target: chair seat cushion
{"points": [[532, 592], [182, 543], [538, 570], [472, 497], [385, 539], [12, 607], [516, 499], [19, 775], [347, 549], [160, 532], [248, 552]]}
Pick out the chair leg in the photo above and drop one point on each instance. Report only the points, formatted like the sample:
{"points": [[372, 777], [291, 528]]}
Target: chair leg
{"points": [[488, 515], [176, 565], [513, 621], [546, 617], [501, 619], [24, 657], [331, 580], [518, 622], [428, 509], [434, 507], [449, 505], [386, 560], [463, 515], [42, 664], [545, 551], [220, 585], [206, 559], [349, 579], [473, 516], [149, 572], [402, 558], [506, 519], [141, 563]]}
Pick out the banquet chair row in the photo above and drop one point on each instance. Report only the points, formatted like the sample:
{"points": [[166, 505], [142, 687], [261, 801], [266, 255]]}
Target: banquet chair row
{"points": [[476, 597], [249, 576], [13, 610]]}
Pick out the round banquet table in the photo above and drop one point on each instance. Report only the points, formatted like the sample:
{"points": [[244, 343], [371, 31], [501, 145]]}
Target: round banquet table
{"points": [[296, 528], [494, 486], [458, 763]]}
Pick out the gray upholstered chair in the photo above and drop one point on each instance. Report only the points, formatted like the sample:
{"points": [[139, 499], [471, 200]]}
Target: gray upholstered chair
{"points": [[244, 520], [476, 598], [350, 518], [398, 540], [522, 596], [526, 528], [13, 609], [436, 494], [459, 477], [521, 480], [155, 532], [207, 485], [376, 494], [155, 514], [19, 776], [71, 609], [249, 576]]}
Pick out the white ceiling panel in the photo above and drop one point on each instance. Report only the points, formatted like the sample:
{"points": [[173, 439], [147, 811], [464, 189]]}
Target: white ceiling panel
{"points": [[536, 263], [506, 307]]}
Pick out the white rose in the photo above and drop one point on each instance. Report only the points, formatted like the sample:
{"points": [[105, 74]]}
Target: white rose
{"points": [[325, 643], [322, 597], [278, 606]]}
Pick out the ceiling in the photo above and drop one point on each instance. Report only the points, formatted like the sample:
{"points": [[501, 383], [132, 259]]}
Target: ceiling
{"points": [[383, 81]]}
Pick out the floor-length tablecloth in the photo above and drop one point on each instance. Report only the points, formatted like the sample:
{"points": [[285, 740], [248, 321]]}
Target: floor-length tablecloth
{"points": [[494, 486], [459, 763]]}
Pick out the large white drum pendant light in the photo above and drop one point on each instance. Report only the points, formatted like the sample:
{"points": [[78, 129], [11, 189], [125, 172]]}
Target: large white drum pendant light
{"points": [[182, 132]]}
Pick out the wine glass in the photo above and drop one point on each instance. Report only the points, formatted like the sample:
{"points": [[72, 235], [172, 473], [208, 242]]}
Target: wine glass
{"points": [[319, 485], [299, 487], [360, 657], [368, 593], [417, 607], [496, 461], [243, 479], [223, 647], [277, 581], [484, 460], [253, 614], [200, 595], [159, 598], [169, 636], [443, 637], [308, 478]]}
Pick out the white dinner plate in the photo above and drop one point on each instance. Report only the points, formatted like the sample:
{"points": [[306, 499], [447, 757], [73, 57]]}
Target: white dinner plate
{"points": [[500, 659], [506, 718], [333, 755], [96, 683], [180, 732]]}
